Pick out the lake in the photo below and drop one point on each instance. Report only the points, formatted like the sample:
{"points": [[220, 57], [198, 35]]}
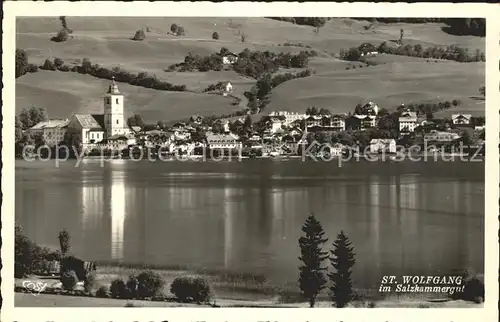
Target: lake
{"points": [[402, 217]]}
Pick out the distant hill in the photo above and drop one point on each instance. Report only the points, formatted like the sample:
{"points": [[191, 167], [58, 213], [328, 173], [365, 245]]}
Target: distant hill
{"points": [[106, 41]]}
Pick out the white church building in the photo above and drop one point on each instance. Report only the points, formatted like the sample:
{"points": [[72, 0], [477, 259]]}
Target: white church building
{"points": [[107, 130]]}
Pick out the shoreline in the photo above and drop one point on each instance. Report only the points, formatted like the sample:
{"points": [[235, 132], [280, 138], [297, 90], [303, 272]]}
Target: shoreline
{"points": [[239, 289]]}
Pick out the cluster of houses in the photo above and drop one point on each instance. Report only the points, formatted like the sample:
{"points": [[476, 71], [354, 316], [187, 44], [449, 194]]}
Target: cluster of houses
{"points": [[283, 132]]}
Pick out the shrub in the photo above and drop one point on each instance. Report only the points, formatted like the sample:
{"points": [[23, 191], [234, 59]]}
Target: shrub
{"points": [[89, 282], [69, 280], [174, 28], [48, 65], [189, 289], [149, 284], [102, 292], [202, 291], [64, 68], [132, 286], [31, 68], [215, 35], [72, 263], [118, 289], [181, 31], [139, 35], [474, 289], [61, 36], [58, 62]]}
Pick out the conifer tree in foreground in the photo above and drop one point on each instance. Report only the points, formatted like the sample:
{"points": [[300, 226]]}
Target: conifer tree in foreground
{"points": [[342, 260], [64, 242], [312, 278]]}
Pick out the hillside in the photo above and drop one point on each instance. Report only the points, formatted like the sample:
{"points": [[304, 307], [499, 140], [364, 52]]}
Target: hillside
{"points": [[106, 41]]}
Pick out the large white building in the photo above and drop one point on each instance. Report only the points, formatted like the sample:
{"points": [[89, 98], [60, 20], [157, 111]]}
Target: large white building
{"points": [[52, 131], [288, 117], [102, 129], [407, 122]]}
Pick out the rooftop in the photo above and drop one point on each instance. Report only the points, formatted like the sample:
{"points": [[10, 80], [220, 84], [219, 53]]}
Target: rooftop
{"points": [[50, 124], [91, 121]]}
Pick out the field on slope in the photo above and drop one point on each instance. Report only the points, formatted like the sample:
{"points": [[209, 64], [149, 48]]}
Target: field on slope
{"points": [[387, 84], [63, 94], [106, 41]]}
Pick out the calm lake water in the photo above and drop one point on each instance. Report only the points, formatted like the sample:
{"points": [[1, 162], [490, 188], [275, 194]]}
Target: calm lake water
{"points": [[403, 218]]}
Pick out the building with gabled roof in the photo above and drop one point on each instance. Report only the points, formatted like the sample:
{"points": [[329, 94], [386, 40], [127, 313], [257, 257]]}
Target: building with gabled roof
{"points": [[52, 131], [461, 119], [97, 129], [407, 121]]}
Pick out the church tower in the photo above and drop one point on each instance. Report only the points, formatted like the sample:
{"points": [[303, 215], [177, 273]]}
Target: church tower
{"points": [[114, 121]]}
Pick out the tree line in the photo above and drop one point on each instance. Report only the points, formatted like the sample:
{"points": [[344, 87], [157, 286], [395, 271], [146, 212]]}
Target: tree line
{"points": [[458, 26], [142, 79], [307, 21], [451, 52], [258, 94], [249, 63]]}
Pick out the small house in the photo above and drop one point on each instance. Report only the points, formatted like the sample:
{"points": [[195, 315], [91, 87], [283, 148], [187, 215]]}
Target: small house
{"points": [[383, 146], [227, 88], [229, 59], [461, 119]]}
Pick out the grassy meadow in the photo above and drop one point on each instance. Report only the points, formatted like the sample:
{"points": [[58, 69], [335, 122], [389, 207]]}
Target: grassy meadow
{"points": [[336, 85]]}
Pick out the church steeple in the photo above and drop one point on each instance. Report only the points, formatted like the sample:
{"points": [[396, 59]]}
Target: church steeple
{"points": [[113, 88], [114, 121]]}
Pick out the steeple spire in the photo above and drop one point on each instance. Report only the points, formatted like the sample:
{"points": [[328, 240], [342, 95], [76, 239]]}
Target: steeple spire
{"points": [[113, 88]]}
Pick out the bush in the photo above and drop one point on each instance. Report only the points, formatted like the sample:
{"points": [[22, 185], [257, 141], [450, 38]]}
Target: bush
{"points": [[69, 280], [72, 263], [61, 36], [89, 282], [31, 68], [118, 289], [58, 62], [174, 28], [132, 286], [48, 65], [215, 35], [149, 284], [139, 35], [102, 292], [64, 68], [181, 31], [189, 289], [474, 289]]}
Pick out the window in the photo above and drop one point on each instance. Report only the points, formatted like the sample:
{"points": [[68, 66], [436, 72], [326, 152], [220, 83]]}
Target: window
{"points": [[108, 100], [117, 101], [117, 122]]}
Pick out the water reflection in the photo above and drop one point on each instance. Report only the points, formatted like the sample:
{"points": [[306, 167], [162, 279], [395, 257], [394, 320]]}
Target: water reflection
{"points": [[173, 215], [118, 212]]}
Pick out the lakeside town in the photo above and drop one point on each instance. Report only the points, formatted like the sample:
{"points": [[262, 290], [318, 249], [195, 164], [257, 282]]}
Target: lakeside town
{"points": [[368, 128]]}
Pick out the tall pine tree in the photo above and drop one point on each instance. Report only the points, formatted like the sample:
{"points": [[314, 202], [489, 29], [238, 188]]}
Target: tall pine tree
{"points": [[342, 260], [312, 278]]}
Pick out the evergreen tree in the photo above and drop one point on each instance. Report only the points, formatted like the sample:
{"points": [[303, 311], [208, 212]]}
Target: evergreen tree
{"points": [[64, 242], [342, 260], [312, 275]]}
